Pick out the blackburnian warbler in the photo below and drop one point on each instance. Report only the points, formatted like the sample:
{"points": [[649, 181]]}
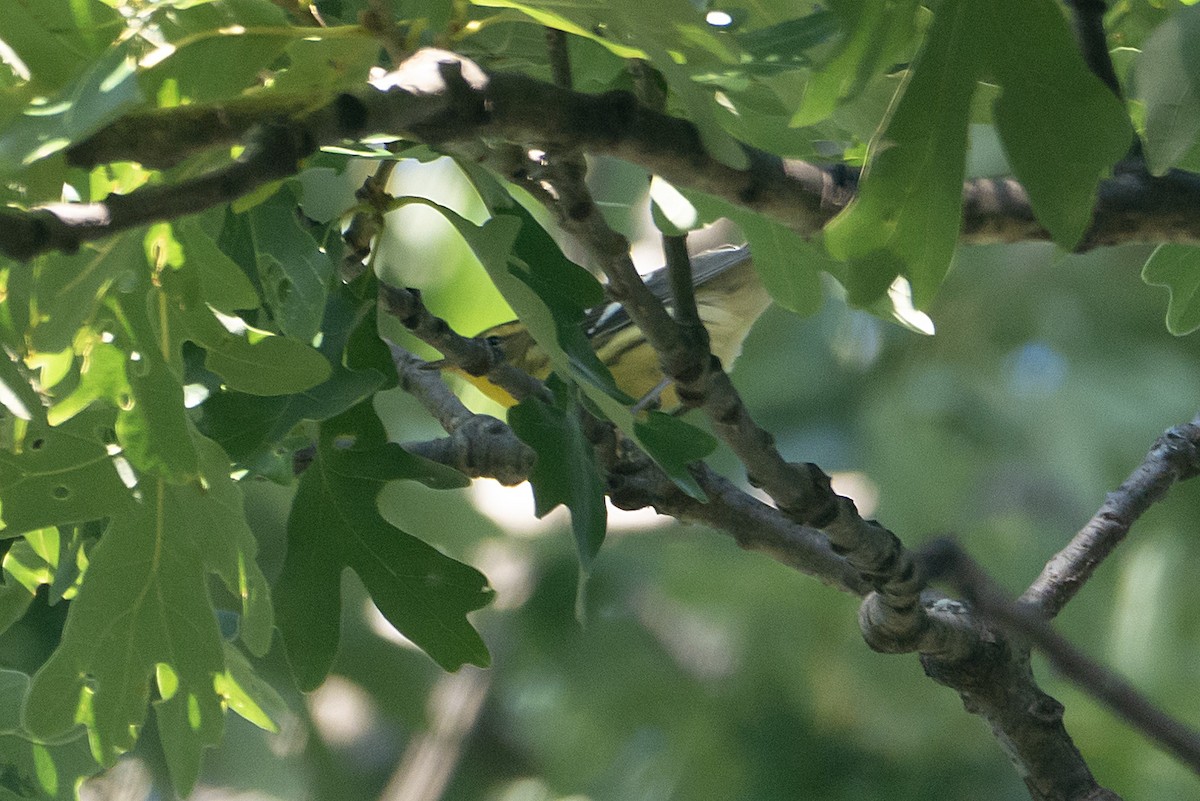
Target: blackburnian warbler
{"points": [[729, 298]]}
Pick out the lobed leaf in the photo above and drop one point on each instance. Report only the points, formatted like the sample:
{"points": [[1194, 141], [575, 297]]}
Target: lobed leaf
{"points": [[60, 475], [335, 524], [1177, 267], [248, 426], [565, 471], [905, 219], [1062, 128], [546, 303], [145, 609]]}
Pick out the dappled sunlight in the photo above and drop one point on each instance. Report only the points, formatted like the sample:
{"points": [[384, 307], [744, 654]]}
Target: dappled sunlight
{"points": [[343, 713], [701, 646], [511, 508]]}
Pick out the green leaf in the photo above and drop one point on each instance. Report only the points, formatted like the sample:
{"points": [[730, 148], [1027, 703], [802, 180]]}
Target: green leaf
{"points": [[152, 424], [223, 284], [33, 560], [14, 603], [105, 91], [217, 64], [673, 34], [249, 695], [1177, 267], [13, 687], [248, 360], [581, 19], [67, 290], [40, 771], [60, 475], [1166, 79], [335, 524], [16, 393], [292, 269], [548, 292], [247, 426], [788, 265], [784, 44], [565, 471], [1062, 128], [675, 444], [145, 609], [907, 214], [53, 38], [548, 302], [325, 64], [875, 35]]}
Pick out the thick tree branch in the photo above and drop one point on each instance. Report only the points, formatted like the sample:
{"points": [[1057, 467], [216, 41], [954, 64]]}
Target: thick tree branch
{"points": [[945, 559], [1174, 457], [440, 98]]}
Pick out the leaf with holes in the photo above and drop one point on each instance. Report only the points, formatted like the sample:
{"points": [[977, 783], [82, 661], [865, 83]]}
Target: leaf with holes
{"points": [[293, 270], [67, 289], [145, 610], [61, 474], [335, 523]]}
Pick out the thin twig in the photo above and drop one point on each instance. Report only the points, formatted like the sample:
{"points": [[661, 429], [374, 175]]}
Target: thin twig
{"points": [[1174, 457], [479, 445], [429, 389], [683, 291]]}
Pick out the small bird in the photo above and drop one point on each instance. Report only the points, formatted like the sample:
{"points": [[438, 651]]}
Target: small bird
{"points": [[729, 298]]}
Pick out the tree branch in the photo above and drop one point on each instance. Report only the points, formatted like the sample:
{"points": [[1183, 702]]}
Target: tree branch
{"points": [[944, 558], [1174, 457], [469, 354], [439, 98], [479, 444]]}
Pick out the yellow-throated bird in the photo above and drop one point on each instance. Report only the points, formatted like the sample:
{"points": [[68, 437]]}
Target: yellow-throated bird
{"points": [[729, 297]]}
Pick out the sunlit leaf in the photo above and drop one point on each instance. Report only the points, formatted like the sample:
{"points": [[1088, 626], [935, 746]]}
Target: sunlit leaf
{"points": [[874, 33], [68, 288], [146, 604], [247, 426], [906, 216], [61, 474], [248, 360], [549, 303]]}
